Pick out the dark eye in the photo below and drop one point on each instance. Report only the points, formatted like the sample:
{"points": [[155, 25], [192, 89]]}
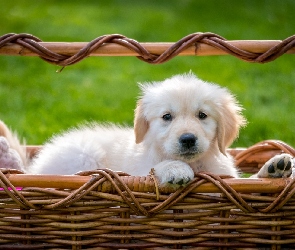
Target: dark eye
{"points": [[202, 115], [167, 117]]}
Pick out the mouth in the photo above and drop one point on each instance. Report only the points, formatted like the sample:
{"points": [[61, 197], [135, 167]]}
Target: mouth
{"points": [[188, 154]]}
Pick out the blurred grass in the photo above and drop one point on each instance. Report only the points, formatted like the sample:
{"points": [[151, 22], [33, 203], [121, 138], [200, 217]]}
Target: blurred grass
{"points": [[38, 102]]}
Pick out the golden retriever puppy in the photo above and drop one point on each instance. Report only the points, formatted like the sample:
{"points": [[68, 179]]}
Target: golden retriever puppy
{"points": [[182, 125]]}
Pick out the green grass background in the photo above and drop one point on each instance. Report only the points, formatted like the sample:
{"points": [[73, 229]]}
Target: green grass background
{"points": [[38, 102]]}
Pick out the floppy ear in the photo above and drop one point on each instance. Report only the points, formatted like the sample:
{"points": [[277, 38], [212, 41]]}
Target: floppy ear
{"points": [[229, 121], [140, 123]]}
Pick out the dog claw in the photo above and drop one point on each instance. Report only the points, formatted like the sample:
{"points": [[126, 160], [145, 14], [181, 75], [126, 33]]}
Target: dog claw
{"points": [[180, 182], [187, 180], [171, 181], [183, 181]]}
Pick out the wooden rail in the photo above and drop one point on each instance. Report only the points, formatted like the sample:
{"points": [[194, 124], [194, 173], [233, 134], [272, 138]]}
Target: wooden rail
{"points": [[146, 183], [71, 48]]}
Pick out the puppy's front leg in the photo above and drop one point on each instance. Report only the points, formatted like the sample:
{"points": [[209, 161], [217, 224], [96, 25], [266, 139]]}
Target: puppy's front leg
{"points": [[279, 166], [173, 172]]}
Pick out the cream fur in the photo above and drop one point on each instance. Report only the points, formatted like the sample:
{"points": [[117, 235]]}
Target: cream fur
{"points": [[154, 143]]}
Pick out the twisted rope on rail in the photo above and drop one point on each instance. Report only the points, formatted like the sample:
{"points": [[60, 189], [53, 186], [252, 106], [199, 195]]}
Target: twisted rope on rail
{"points": [[32, 43], [12, 192], [126, 195]]}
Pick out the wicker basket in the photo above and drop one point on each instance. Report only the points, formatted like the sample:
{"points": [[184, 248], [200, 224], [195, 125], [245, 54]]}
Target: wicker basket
{"points": [[108, 210]]}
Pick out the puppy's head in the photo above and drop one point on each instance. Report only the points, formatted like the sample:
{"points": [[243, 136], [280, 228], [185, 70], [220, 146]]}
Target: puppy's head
{"points": [[182, 117]]}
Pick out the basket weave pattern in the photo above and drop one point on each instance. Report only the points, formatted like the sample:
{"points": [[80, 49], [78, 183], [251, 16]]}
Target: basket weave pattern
{"points": [[115, 211]]}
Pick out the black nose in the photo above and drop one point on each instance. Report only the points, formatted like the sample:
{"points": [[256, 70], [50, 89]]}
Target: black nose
{"points": [[188, 140]]}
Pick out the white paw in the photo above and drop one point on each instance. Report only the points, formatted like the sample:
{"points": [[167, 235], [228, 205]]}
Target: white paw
{"points": [[279, 166], [9, 158], [173, 172]]}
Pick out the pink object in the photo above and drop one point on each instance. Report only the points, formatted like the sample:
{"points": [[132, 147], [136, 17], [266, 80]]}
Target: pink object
{"points": [[17, 188]]}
